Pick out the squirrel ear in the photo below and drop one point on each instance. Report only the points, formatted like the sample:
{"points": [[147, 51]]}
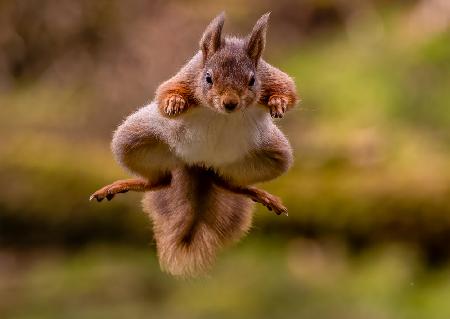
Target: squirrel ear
{"points": [[257, 39], [212, 37]]}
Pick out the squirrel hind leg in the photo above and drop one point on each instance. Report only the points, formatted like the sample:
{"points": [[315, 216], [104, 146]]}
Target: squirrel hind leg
{"points": [[132, 184], [140, 144]]}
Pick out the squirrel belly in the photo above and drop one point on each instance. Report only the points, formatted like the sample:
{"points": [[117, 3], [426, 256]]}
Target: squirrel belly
{"points": [[205, 137]]}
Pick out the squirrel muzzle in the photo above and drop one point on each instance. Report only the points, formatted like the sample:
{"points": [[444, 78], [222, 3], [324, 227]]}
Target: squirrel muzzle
{"points": [[230, 102]]}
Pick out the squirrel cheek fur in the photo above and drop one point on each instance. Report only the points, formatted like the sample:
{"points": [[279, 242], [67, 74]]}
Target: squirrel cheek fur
{"points": [[199, 204]]}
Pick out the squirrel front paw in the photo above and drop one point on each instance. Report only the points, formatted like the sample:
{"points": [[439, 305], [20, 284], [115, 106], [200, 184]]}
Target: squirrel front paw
{"points": [[174, 104], [277, 105]]}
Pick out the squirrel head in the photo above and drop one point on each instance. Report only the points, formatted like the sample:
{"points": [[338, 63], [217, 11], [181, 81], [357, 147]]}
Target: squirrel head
{"points": [[229, 79]]}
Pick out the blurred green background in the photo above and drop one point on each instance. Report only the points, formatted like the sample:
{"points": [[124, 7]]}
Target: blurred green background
{"points": [[368, 234]]}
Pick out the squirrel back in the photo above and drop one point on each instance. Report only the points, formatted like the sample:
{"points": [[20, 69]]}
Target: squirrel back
{"points": [[193, 218]]}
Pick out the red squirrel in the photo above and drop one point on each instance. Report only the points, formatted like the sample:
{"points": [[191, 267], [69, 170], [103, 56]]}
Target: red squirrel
{"points": [[200, 145]]}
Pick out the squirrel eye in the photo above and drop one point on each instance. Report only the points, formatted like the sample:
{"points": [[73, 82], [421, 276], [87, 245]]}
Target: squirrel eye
{"points": [[252, 81], [209, 78]]}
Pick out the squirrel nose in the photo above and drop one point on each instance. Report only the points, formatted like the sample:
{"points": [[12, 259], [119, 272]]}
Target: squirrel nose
{"points": [[230, 106], [230, 103]]}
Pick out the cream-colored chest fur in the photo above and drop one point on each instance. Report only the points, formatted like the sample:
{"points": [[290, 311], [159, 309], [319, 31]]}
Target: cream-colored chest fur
{"points": [[203, 136]]}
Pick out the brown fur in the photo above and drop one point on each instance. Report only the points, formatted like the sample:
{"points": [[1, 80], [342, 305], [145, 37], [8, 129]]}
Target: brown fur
{"points": [[257, 195], [196, 210], [142, 153], [273, 87], [212, 37], [171, 88], [139, 185], [126, 185], [227, 214], [231, 62], [193, 219], [273, 159]]}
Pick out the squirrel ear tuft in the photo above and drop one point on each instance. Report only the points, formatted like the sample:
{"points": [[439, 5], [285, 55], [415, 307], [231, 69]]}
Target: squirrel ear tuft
{"points": [[212, 37], [257, 38]]}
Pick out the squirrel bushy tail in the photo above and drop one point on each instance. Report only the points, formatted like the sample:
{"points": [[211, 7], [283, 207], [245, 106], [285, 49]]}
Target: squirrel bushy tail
{"points": [[192, 219]]}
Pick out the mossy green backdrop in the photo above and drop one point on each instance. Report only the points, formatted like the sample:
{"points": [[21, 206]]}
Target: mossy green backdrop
{"points": [[368, 230]]}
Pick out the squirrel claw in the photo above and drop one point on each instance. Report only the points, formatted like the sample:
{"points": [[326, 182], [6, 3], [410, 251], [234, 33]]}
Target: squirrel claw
{"points": [[175, 104], [95, 196], [277, 105]]}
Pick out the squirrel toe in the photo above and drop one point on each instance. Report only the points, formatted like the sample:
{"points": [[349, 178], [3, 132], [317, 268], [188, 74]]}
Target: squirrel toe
{"points": [[175, 104], [277, 105]]}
